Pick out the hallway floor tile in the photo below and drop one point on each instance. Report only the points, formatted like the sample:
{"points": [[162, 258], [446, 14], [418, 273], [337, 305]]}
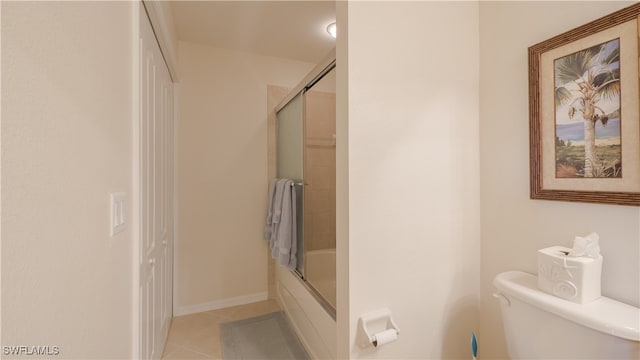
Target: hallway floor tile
{"points": [[197, 336]]}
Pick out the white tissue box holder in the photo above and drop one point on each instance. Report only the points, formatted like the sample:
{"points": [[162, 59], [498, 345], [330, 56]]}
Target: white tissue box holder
{"points": [[575, 279]]}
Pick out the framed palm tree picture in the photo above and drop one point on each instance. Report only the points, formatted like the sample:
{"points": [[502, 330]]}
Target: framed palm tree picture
{"points": [[584, 113]]}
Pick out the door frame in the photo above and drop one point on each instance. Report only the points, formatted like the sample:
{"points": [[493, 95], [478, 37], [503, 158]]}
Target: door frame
{"points": [[158, 17]]}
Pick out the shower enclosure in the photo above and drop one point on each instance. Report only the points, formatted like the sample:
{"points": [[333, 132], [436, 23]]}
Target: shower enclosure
{"points": [[306, 153]]}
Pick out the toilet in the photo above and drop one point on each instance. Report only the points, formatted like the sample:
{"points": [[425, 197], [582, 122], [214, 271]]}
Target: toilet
{"points": [[538, 325]]}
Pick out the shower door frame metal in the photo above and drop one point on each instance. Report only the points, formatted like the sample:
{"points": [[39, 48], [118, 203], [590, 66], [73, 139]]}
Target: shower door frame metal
{"points": [[322, 69]]}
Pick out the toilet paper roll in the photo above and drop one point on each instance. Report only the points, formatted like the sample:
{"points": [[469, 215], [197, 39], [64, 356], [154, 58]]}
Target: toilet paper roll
{"points": [[385, 337]]}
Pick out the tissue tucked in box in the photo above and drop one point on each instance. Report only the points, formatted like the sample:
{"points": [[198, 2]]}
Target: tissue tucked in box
{"points": [[576, 279]]}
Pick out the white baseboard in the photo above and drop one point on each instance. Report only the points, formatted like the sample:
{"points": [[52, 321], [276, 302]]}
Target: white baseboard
{"points": [[219, 304]]}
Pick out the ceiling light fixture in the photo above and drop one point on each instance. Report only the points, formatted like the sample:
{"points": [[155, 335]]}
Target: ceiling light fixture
{"points": [[331, 29]]}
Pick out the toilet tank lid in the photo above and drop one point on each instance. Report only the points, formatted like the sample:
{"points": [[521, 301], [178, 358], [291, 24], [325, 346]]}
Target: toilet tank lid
{"points": [[604, 314]]}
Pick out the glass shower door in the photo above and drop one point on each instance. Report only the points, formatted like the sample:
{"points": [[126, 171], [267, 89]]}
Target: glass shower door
{"points": [[320, 188], [305, 131], [289, 160]]}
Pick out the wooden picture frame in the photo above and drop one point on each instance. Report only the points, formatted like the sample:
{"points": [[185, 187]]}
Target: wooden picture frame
{"points": [[584, 113]]}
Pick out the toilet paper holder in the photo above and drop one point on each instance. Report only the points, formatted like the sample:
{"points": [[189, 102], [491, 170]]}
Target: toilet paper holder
{"points": [[377, 328]]}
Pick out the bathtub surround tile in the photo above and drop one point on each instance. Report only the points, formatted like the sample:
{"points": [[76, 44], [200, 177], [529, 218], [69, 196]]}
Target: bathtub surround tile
{"points": [[320, 112], [328, 240], [320, 163], [264, 337], [321, 156], [320, 199], [329, 157], [320, 178]]}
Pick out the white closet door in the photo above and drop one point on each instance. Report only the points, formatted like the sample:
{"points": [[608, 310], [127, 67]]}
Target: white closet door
{"points": [[156, 184]]}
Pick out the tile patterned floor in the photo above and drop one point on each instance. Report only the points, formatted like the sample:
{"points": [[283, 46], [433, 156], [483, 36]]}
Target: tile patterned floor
{"points": [[197, 336]]}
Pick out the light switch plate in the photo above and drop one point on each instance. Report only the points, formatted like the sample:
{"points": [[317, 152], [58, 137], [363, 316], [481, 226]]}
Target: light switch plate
{"points": [[118, 215]]}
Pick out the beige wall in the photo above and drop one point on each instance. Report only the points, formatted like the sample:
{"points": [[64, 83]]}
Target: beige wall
{"points": [[168, 34], [514, 227], [222, 173], [413, 233], [67, 108]]}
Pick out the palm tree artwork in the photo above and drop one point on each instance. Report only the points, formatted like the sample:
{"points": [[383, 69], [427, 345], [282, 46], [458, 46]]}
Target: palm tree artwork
{"points": [[587, 113]]}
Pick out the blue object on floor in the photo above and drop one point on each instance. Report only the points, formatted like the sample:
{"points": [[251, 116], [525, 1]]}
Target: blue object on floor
{"points": [[474, 345], [266, 337]]}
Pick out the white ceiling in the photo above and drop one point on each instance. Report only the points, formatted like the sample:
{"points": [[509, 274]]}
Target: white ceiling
{"points": [[287, 29]]}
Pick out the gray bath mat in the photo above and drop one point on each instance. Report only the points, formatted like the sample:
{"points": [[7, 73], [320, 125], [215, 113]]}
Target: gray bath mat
{"points": [[266, 337]]}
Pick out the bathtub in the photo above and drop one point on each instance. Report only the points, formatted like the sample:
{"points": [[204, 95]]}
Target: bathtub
{"points": [[320, 272], [305, 302]]}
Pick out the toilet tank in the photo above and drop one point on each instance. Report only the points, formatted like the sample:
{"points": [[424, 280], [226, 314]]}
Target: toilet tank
{"points": [[538, 325]]}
